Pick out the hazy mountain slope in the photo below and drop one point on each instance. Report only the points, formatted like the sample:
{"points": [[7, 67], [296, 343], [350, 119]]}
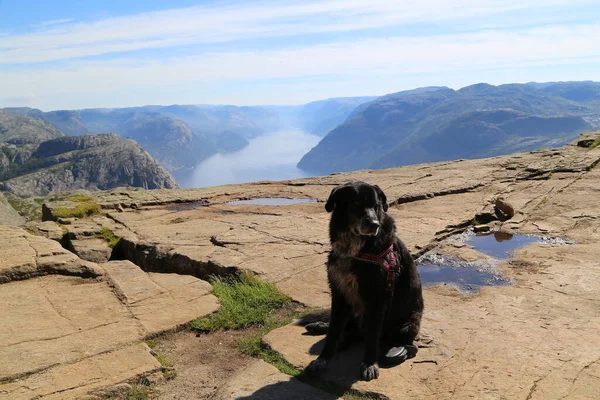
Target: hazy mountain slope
{"points": [[18, 129], [477, 135], [167, 139], [476, 121], [320, 117], [582, 92]]}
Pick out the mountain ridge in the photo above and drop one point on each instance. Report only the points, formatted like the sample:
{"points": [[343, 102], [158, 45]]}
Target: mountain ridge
{"points": [[414, 127]]}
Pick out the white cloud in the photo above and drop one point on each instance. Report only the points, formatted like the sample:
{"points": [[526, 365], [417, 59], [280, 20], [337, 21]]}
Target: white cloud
{"points": [[76, 83], [62, 39]]}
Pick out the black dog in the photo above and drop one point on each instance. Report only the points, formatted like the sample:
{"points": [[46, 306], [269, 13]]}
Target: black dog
{"points": [[375, 287]]}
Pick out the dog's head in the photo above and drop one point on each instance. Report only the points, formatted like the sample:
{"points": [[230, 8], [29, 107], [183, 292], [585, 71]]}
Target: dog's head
{"points": [[357, 207]]}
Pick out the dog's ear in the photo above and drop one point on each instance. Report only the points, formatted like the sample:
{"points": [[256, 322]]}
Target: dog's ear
{"points": [[382, 197], [334, 197]]}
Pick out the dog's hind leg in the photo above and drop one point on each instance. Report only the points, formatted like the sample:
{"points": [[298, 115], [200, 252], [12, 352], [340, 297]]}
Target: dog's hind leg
{"points": [[340, 312]]}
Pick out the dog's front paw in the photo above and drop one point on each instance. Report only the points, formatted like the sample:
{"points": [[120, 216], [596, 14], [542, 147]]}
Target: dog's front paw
{"points": [[369, 372], [316, 367]]}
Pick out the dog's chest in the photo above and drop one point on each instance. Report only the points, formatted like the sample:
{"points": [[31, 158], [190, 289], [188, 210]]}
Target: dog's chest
{"points": [[346, 281]]}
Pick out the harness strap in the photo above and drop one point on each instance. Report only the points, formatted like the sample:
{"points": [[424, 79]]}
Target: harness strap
{"points": [[392, 267]]}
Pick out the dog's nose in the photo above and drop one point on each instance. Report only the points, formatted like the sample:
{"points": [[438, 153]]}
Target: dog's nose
{"points": [[373, 225]]}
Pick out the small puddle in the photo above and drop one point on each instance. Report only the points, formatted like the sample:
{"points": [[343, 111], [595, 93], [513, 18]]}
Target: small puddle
{"points": [[468, 277], [271, 201]]}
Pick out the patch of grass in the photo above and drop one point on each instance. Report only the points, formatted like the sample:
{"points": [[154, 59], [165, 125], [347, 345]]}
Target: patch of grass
{"points": [[360, 396], [245, 302], [138, 392], [81, 198], [39, 200], [170, 374], [109, 236], [152, 343], [30, 210], [475, 222], [82, 210], [595, 144], [164, 361], [254, 346], [62, 228]]}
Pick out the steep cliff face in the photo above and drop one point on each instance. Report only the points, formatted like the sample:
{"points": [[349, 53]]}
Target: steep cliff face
{"points": [[92, 162], [36, 159]]}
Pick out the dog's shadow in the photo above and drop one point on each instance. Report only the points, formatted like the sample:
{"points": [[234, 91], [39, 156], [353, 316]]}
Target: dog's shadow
{"points": [[342, 372]]}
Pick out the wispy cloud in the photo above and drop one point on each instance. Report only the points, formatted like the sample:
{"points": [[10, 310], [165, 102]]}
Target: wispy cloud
{"points": [[244, 21], [56, 22]]}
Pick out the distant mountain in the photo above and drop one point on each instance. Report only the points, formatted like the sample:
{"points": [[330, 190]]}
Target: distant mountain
{"points": [[441, 124], [320, 117], [582, 92], [18, 129], [167, 139], [32, 165]]}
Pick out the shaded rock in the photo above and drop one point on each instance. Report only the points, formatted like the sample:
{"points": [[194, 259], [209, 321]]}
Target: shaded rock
{"points": [[485, 217], [91, 249], [262, 381]]}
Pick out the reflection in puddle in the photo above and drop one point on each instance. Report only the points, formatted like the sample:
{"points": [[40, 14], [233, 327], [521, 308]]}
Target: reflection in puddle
{"points": [[271, 201], [466, 278], [500, 244], [436, 268]]}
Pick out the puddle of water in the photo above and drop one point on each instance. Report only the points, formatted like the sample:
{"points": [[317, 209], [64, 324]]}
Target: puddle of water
{"points": [[271, 201], [465, 278], [500, 244], [435, 268]]}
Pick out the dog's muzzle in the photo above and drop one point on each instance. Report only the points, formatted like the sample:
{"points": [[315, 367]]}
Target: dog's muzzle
{"points": [[369, 228]]}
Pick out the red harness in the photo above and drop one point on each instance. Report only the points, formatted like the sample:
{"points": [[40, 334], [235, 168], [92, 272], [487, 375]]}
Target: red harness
{"points": [[386, 260]]}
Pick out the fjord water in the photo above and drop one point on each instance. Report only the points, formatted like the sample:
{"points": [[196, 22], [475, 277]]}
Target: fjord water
{"points": [[270, 157]]}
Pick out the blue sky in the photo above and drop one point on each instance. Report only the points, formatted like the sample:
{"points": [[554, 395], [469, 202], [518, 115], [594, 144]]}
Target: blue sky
{"points": [[80, 54]]}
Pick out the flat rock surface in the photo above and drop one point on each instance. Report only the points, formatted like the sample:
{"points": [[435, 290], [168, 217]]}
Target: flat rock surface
{"points": [[56, 319], [534, 339], [72, 381], [160, 302], [49, 229], [69, 326]]}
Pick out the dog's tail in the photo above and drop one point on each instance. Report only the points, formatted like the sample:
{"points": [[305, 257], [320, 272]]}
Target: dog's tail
{"points": [[315, 323]]}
